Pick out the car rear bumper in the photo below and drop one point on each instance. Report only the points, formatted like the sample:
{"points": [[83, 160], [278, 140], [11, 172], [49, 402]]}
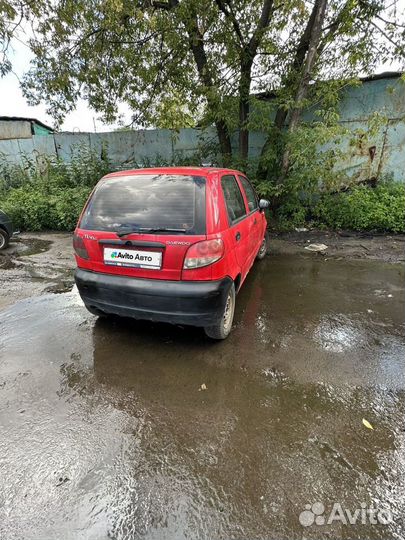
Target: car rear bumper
{"points": [[198, 303]]}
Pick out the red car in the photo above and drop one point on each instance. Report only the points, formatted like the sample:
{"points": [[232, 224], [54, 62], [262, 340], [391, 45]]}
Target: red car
{"points": [[169, 244]]}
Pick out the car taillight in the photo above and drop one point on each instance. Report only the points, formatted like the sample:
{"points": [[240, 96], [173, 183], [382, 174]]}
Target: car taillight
{"points": [[203, 253], [79, 247]]}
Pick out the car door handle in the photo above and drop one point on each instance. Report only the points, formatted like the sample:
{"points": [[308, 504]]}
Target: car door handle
{"points": [[237, 237], [255, 222]]}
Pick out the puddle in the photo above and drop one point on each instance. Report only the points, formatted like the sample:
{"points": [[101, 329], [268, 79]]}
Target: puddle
{"points": [[28, 246], [106, 432]]}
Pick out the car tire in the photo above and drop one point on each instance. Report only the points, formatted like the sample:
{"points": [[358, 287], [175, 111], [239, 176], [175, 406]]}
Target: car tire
{"points": [[4, 239], [263, 248], [95, 311], [222, 329]]}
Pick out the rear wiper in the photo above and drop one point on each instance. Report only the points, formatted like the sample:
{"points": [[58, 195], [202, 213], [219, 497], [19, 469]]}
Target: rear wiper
{"points": [[127, 231], [166, 229], [126, 228], [148, 230]]}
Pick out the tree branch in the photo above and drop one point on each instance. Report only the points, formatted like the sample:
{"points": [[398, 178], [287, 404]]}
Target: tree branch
{"points": [[226, 9], [333, 27], [387, 37], [169, 4], [263, 23], [393, 23]]}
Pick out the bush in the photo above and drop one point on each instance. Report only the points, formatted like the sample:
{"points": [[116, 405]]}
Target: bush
{"points": [[363, 208], [49, 194], [360, 208], [30, 209]]}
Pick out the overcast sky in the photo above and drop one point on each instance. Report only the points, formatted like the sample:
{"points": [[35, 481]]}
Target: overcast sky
{"points": [[12, 102]]}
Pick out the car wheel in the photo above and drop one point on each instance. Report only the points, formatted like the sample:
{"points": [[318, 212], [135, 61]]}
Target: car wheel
{"points": [[4, 239], [222, 329], [95, 311], [263, 248]]}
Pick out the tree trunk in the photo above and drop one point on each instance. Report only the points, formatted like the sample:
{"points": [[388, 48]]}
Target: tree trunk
{"points": [[200, 58], [302, 90], [247, 55], [196, 42], [296, 67], [244, 107], [224, 141]]}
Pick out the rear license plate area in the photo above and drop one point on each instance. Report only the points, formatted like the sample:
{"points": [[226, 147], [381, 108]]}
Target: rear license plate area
{"points": [[133, 258]]}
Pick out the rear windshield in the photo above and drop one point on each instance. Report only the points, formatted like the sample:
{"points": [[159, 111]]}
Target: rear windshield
{"points": [[173, 202]]}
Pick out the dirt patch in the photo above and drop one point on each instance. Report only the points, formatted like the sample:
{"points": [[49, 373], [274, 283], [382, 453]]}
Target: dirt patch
{"points": [[344, 245], [36, 263], [6, 262]]}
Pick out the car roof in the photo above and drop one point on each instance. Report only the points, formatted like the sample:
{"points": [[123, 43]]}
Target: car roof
{"points": [[195, 171]]}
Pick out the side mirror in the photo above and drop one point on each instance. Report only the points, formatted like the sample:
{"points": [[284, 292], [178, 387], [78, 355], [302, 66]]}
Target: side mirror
{"points": [[263, 204]]}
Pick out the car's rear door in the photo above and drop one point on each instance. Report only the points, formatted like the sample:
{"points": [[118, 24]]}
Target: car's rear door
{"points": [[142, 225], [254, 217], [238, 232]]}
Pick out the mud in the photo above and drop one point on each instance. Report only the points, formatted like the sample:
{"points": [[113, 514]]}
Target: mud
{"points": [[107, 430], [343, 244], [35, 263]]}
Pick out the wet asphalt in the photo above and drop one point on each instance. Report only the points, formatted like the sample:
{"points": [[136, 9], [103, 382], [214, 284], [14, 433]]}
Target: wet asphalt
{"points": [[122, 429]]}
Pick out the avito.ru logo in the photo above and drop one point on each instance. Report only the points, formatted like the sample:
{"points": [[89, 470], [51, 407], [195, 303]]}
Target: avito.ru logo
{"points": [[315, 514]]}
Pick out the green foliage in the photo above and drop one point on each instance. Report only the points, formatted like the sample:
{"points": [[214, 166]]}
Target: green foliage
{"points": [[142, 53], [51, 193], [360, 208], [363, 208], [181, 63], [314, 151]]}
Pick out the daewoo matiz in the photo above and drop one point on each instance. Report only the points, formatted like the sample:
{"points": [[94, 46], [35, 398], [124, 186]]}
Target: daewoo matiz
{"points": [[169, 244]]}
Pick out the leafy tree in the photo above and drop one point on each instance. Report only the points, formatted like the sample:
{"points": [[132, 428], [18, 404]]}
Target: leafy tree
{"points": [[12, 15], [337, 42], [150, 55], [173, 61], [15, 17]]}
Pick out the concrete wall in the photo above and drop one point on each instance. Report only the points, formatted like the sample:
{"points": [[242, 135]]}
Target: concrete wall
{"points": [[369, 156], [373, 155], [124, 148], [15, 129]]}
